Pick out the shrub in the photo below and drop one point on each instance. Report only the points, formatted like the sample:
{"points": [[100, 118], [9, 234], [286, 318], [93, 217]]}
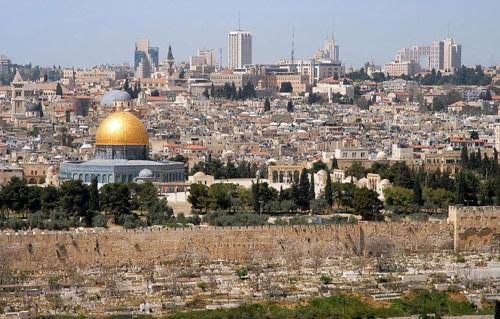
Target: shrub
{"points": [[99, 220], [202, 285], [242, 273], [325, 279]]}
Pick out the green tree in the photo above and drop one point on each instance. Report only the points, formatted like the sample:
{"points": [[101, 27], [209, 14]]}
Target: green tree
{"points": [[438, 198], [267, 105], [329, 190], [466, 186], [94, 195], [290, 107], [59, 90], [143, 195], [17, 196], [319, 165], [50, 198], [399, 198], [206, 94], [114, 199], [417, 193], [286, 87], [198, 197], [312, 192], [159, 213], [74, 198], [357, 170], [303, 195], [366, 203], [464, 157]]}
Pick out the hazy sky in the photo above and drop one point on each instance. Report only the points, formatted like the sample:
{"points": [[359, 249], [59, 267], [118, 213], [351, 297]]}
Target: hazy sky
{"points": [[89, 32]]}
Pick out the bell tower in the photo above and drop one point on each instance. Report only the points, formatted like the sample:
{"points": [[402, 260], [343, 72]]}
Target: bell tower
{"points": [[18, 97]]}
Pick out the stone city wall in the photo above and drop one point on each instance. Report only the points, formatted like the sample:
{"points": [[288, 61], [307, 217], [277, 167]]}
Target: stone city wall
{"points": [[42, 250], [475, 228]]}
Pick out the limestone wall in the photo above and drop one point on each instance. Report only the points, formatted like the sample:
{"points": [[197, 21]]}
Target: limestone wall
{"points": [[145, 247], [475, 228]]}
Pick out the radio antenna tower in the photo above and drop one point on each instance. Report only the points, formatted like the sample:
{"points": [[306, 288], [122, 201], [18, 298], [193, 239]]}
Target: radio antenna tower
{"points": [[292, 56]]}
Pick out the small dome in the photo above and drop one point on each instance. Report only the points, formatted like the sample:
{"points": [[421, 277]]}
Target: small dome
{"points": [[381, 156], [51, 171], [199, 174], [322, 172], [385, 182], [112, 96], [145, 173]]}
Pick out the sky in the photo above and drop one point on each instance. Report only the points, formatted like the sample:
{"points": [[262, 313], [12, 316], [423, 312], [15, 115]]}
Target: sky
{"points": [[88, 33]]}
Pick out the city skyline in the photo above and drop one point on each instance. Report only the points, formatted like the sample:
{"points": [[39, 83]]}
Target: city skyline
{"points": [[94, 35]]}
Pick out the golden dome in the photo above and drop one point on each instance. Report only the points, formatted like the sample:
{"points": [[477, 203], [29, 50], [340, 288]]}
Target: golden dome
{"points": [[122, 128]]}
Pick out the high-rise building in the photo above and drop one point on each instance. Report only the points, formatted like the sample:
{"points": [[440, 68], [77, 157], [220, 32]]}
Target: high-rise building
{"points": [[4, 64], [331, 51], [146, 58], [436, 55], [452, 55], [204, 57], [444, 55], [208, 56], [239, 49]]}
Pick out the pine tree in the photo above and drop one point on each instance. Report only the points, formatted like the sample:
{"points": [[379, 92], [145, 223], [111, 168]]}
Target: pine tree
{"points": [[329, 190], [289, 106]]}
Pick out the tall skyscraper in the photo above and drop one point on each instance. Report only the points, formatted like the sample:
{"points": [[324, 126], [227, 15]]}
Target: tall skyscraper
{"points": [[146, 58], [239, 49]]}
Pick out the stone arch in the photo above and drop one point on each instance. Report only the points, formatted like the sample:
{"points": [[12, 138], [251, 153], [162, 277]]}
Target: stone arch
{"points": [[275, 177], [281, 176]]}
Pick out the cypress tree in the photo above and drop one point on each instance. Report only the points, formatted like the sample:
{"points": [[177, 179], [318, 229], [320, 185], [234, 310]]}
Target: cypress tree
{"points": [[59, 90], [329, 190], [312, 192], [303, 191], [267, 105], [464, 156], [417, 190]]}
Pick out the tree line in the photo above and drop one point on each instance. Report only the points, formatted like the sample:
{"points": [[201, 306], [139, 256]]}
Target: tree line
{"points": [[220, 170], [230, 92], [76, 204]]}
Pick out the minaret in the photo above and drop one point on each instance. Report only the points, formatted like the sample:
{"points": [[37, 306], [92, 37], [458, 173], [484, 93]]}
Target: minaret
{"points": [[170, 61]]}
